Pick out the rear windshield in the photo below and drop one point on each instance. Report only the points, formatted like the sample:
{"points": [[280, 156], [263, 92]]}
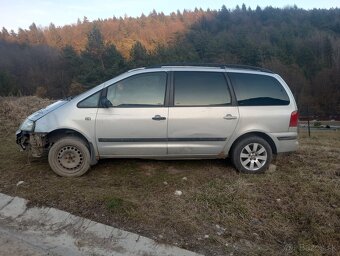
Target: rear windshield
{"points": [[258, 90]]}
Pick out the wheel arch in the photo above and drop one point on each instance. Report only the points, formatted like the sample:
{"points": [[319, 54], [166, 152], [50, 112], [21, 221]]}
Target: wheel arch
{"points": [[57, 134], [255, 133]]}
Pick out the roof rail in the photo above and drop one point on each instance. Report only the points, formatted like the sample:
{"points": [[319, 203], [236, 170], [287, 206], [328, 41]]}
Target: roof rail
{"points": [[135, 69], [222, 66], [185, 64], [238, 66]]}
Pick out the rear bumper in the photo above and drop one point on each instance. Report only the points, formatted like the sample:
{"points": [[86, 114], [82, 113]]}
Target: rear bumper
{"points": [[286, 142], [288, 146]]}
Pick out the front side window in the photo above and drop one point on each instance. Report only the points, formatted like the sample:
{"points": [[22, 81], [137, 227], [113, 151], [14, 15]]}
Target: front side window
{"points": [[194, 88], [142, 90], [258, 90], [90, 102]]}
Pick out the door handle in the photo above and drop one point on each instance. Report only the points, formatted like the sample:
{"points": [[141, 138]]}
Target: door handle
{"points": [[158, 118], [229, 117]]}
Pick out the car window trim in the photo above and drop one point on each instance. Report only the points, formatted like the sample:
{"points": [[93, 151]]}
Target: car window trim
{"points": [[231, 90]]}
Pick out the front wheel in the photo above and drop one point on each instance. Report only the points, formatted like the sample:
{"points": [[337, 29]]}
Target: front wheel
{"points": [[252, 155], [69, 157]]}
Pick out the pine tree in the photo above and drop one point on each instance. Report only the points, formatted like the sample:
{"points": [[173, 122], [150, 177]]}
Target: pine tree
{"points": [[139, 55], [95, 45]]}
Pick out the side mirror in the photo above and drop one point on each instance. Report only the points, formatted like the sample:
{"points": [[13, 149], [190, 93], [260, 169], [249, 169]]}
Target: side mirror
{"points": [[104, 102]]}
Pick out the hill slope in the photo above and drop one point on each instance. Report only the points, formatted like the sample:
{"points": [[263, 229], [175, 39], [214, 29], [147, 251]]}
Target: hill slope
{"points": [[303, 46]]}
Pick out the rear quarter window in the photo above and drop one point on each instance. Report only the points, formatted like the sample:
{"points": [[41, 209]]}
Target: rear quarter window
{"points": [[258, 90]]}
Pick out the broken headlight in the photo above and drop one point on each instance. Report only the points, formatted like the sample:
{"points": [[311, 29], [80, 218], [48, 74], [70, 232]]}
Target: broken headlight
{"points": [[27, 125]]}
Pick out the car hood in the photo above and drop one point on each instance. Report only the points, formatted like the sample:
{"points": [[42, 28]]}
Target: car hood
{"points": [[42, 112]]}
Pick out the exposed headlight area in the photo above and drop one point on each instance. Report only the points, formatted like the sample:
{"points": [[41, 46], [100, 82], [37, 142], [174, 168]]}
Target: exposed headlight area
{"points": [[27, 125]]}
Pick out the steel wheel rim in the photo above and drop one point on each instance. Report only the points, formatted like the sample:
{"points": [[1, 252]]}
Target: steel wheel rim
{"points": [[70, 159], [253, 156]]}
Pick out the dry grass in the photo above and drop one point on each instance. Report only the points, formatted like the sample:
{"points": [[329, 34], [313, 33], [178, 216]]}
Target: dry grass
{"points": [[13, 110], [293, 209]]}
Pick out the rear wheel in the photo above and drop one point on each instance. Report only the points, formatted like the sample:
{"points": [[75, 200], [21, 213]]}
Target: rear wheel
{"points": [[69, 157], [252, 155]]}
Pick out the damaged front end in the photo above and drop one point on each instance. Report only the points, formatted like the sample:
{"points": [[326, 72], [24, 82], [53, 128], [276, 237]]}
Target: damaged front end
{"points": [[36, 143], [28, 139]]}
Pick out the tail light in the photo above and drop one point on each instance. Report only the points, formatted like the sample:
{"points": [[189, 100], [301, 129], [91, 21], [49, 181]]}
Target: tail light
{"points": [[294, 119]]}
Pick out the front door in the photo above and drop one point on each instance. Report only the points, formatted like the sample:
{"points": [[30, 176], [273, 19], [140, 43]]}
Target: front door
{"points": [[136, 124], [202, 118]]}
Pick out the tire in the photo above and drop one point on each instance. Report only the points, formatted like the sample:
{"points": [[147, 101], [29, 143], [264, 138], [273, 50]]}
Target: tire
{"points": [[69, 157], [252, 154]]}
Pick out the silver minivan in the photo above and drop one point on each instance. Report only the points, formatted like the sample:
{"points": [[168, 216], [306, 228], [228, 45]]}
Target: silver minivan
{"points": [[169, 112]]}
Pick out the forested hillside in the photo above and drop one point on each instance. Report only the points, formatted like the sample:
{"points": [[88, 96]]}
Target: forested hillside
{"points": [[302, 46]]}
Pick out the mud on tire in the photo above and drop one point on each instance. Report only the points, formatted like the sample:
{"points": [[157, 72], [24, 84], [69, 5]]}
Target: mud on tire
{"points": [[69, 157]]}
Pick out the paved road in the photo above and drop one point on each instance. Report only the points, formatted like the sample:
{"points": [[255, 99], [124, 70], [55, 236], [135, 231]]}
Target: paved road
{"points": [[49, 231], [10, 244]]}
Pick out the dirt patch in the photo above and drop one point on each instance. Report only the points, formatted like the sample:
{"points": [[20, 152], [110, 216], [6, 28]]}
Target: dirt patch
{"points": [[174, 170], [292, 210]]}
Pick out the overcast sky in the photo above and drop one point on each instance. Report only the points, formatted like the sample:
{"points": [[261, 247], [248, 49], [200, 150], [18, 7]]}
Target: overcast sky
{"points": [[22, 13]]}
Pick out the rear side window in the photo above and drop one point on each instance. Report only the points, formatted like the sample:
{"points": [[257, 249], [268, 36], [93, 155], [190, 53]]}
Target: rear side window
{"points": [[258, 90], [200, 89]]}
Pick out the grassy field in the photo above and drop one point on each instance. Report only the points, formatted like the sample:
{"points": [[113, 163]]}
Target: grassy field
{"points": [[293, 209]]}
